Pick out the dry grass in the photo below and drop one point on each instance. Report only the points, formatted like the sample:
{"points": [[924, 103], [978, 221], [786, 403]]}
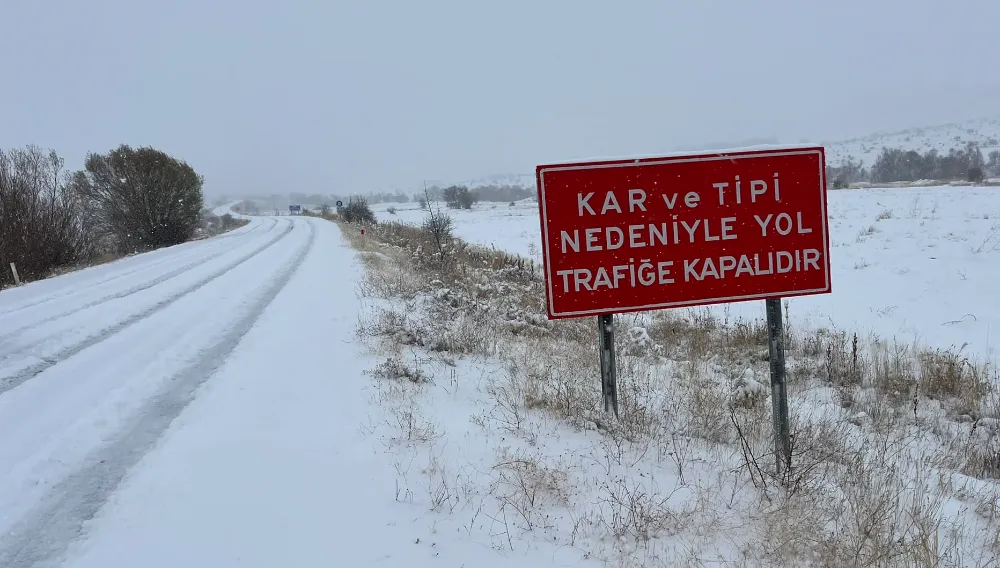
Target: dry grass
{"points": [[886, 427], [395, 369], [525, 487]]}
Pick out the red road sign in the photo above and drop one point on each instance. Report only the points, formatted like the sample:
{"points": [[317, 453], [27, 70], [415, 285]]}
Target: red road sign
{"points": [[653, 233]]}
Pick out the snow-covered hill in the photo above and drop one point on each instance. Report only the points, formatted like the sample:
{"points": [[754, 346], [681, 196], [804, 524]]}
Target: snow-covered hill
{"points": [[944, 137], [985, 132]]}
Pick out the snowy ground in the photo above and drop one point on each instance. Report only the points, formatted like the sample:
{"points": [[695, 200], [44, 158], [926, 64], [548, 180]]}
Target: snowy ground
{"points": [[910, 264], [891, 472], [199, 406], [212, 404]]}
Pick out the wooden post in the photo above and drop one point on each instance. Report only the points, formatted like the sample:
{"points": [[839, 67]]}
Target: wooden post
{"points": [[13, 270]]}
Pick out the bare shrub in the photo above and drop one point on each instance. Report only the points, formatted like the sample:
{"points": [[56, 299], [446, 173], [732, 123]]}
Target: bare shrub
{"points": [[357, 211], [746, 336], [991, 242], [42, 219], [684, 335], [463, 333], [507, 409], [439, 228], [526, 487], [861, 510], [893, 371], [442, 488], [950, 377], [406, 421], [982, 457], [881, 521], [395, 369], [142, 198], [640, 399], [556, 385], [841, 363], [707, 409], [642, 511], [394, 326], [978, 448], [393, 280]]}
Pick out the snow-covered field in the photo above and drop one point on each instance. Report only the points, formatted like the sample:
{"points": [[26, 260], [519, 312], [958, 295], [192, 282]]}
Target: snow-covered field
{"points": [[910, 264], [512, 424], [257, 399]]}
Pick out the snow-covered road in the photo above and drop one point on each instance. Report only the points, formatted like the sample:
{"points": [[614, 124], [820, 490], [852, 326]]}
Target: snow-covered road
{"points": [[98, 464]]}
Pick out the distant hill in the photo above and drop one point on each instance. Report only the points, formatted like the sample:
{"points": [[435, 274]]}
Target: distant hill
{"points": [[519, 180], [985, 132], [944, 137]]}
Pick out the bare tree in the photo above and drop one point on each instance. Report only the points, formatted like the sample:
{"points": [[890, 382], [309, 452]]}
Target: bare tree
{"points": [[43, 228], [358, 211], [439, 225]]}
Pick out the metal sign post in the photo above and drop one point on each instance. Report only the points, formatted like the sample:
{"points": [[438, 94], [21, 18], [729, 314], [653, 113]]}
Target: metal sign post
{"points": [[609, 378], [779, 390]]}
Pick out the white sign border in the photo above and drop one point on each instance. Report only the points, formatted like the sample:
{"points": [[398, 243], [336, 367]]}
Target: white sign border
{"points": [[679, 160]]}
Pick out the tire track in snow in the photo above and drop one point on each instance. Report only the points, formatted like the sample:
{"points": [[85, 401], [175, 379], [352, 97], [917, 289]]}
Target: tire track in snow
{"points": [[122, 274], [43, 535], [114, 296], [12, 381]]}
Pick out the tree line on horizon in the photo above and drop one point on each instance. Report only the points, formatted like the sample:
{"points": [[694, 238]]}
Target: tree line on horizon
{"points": [[493, 193], [897, 165], [892, 165], [123, 201]]}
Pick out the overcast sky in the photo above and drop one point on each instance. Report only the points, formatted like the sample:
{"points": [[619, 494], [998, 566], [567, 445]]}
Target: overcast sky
{"points": [[334, 97]]}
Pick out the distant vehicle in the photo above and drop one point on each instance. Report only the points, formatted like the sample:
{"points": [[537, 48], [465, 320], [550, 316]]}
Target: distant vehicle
{"points": [[295, 209]]}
